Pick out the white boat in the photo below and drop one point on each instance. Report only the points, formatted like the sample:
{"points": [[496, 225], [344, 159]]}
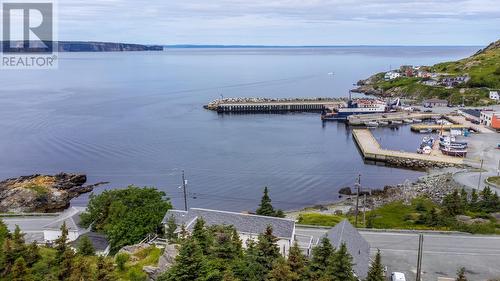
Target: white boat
{"points": [[383, 123], [417, 120], [397, 122], [425, 150], [371, 124], [408, 121]]}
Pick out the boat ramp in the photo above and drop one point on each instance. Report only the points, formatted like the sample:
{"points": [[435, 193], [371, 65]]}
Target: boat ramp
{"points": [[371, 150]]}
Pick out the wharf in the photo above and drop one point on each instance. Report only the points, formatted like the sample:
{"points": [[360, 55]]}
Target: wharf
{"points": [[274, 105], [371, 150], [438, 127], [362, 119]]}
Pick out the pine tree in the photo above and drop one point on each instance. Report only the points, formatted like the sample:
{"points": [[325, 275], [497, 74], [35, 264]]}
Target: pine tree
{"points": [[190, 264], [229, 276], [105, 270], [267, 248], [474, 199], [461, 274], [223, 246], [281, 272], [170, 233], [376, 271], [32, 254], [340, 268], [80, 270], [464, 198], [66, 264], [248, 268], [61, 243], [265, 206], [20, 271], [202, 236], [8, 257], [4, 232], [18, 243], [85, 247], [297, 261], [321, 257]]}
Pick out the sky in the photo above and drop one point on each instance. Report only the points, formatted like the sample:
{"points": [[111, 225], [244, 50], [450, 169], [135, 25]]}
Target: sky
{"points": [[281, 22]]}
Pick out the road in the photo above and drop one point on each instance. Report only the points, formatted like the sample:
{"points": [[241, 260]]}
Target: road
{"points": [[443, 253]]}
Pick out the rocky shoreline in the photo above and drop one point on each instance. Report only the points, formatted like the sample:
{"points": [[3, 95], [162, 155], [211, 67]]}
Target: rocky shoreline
{"points": [[42, 193]]}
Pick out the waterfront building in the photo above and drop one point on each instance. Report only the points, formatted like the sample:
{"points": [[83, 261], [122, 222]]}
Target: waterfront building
{"points": [[495, 95], [435, 103], [490, 119]]}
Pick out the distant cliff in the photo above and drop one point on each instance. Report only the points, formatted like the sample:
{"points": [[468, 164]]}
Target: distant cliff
{"points": [[81, 46]]}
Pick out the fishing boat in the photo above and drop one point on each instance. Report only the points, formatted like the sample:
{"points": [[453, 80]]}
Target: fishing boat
{"points": [[397, 122], [425, 150], [356, 107], [408, 121], [383, 123], [425, 131], [447, 150], [451, 141]]}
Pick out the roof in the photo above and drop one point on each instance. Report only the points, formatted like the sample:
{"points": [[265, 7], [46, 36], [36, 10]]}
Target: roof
{"points": [[70, 216], [244, 223], [472, 112], [99, 241], [357, 246]]}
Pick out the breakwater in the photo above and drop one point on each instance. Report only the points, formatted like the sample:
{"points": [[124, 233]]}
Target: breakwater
{"points": [[274, 104]]}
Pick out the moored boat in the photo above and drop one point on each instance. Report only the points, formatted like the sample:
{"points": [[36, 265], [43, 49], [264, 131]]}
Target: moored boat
{"points": [[408, 121], [396, 122], [383, 123], [425, 131], [371, 124], [447, 150]]}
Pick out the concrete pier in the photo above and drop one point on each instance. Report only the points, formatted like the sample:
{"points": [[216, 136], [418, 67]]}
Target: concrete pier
{"points": [[371, 150], [362, 119], [438, 127], [275, 105]]}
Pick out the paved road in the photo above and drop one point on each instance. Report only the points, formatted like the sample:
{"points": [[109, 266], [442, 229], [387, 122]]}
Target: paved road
{"points": [[443, 253]]}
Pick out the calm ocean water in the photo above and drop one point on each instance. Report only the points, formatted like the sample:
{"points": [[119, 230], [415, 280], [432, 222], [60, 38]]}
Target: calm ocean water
{"points": [[137, 118]]}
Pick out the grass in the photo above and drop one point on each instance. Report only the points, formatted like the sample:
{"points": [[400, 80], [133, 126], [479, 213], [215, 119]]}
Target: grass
{"points": [[494, 180], [319, 219], [133, 268], [39, 189]]}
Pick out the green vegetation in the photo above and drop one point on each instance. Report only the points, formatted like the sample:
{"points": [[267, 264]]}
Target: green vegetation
{"points": [[216, 253], [319, 219], [39, 189], [129, 267], [494, 180], [127, 215], [266, 208]]}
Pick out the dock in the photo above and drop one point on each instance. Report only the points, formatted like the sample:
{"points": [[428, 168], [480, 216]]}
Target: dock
{"points": [[371, 150], [274, 105], [362, 119], [438, 127]]}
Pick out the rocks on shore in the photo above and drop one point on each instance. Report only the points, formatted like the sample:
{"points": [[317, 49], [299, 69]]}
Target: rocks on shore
{"points": [[42, 193]]}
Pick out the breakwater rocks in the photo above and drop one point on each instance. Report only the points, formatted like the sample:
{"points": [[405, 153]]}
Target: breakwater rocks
{"points": [[42, 193], [417, 164]]}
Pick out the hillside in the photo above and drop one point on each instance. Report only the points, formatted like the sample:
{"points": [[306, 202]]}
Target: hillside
{"points": [[83, 46], [467, 80]]}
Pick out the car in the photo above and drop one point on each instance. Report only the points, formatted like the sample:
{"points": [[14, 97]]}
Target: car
{"points": [[398, 276], [427, 110]]}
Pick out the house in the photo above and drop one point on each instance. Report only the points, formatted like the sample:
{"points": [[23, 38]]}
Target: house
{"points": [[357, 246], [99, 241], [71, 217], [490, 119], [248, 226], [495, 95], [391, 75], [434, 103]]}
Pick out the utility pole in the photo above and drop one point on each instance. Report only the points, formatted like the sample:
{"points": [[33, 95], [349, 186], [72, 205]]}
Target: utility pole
{"points": [[357, 200], [364, 210], [498, 169], [184, 189], [480, 175], [419, 257]]}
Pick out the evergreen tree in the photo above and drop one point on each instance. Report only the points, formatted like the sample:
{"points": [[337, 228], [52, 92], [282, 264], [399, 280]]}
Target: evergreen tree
{"points": [[229, 276], [281, 272], [65, 264], [376, 271], [266, 208], [225, 246], [8, 257], [4, 232], [464, 198], [170, 233], [85, 247], [461, 274], [248, 268], [340, 267], [321, 257], [297, 261], [18, 243], [32, 254], [267, 249], [237, 243], [104, 270], [20, 271], [202, 236], [474, 199], [452, 204], [121, 259], [61, 243], [190, 264], [433, 218], [80, 270]]}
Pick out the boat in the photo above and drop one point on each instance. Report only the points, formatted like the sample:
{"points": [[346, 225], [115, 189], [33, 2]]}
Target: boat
{"points": [[417, 120], [451, 141], [371, 124], [383, 123], [396, 122], [408, 121], [427, 141], [454, 152], [356, 107], [425, 131], [425, 150]]}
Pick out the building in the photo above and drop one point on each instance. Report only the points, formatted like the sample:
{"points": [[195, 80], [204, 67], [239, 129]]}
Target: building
{"points": [[248, 226], [434, 103], [357, 246], [473, 115], [99, 241], [495, 95], [392, 75], [490, 119], [71, 217]]}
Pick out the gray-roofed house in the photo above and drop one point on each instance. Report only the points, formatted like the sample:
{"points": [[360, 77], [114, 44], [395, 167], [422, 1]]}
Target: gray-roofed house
{"points": [[248, 226], [357, 246], [71, 217], [99, 241]]}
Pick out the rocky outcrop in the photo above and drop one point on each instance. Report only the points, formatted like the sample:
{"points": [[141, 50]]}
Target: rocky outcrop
{"points": [[42, 193], [164, 263]]}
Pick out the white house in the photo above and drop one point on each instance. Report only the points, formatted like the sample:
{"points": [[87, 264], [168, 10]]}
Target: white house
{"points": [[71, 217], [392, 75], [494, 95], [248, 226]]}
